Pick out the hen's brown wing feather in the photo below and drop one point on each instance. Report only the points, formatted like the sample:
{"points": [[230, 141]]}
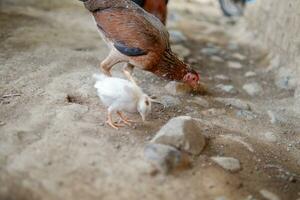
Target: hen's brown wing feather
{"points": [[137, 31]]}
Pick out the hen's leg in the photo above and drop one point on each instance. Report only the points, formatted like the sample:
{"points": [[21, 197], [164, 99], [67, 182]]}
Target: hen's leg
{"points": [[125, 119], [110, 121], [109, 62], [128, 69]]}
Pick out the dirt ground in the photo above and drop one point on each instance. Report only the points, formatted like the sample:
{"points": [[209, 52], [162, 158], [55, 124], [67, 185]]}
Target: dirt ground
{"points": [[54, 144]]}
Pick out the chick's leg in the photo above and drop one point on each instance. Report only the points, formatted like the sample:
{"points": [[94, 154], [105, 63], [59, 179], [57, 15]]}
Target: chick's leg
{"points": [[109, 62], [125, 119], [110, 121]]}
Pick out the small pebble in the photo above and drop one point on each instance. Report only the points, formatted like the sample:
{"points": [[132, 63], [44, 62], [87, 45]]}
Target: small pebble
{"points": [[252, 89], [238, 56], [217, 59], [227, 88], [210, 51], [222, 77], [250, 74], [228, 163], [269, 195], [234, 65], [234, 102]]}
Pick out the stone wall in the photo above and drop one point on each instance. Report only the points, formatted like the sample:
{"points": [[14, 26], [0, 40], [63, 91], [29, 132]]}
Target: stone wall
{"points": [[277, 23]]}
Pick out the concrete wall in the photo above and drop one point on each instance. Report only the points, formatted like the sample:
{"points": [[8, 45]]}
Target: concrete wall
{"points": [[277, 23]]}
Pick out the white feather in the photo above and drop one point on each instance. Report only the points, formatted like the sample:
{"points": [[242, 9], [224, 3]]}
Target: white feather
{"points": [[119, 94]]}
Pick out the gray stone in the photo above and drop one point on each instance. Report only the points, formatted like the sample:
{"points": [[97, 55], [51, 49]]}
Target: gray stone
{"points": [[268, 195], [222, 77], [237, 103], [234, 65], [252, 89], [210, 51], [176, 88], [177, 36], [250, 74], [228, 163], [169, 101], [226, 88], [183, 133], [165, 158], [238, 56], [217, 59]]}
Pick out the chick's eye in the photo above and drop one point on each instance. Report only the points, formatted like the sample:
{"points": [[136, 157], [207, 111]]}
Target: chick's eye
{"points": [[147, 103]]}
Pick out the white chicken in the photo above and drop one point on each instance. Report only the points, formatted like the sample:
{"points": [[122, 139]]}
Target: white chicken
{"points": [[120, 95]]}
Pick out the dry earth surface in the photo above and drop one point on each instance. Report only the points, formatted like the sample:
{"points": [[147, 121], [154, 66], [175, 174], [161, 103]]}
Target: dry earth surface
{"points": [[54, 144]]}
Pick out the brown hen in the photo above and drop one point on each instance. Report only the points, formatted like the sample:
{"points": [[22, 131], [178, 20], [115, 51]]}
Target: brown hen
{"points": [[137, 38]]}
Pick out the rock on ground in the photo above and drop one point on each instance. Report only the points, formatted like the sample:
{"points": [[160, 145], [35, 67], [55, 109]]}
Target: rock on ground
{"points": [[217, 59], [166, 158], [228, 163], [252, 89], [227, 88], [250, 74], [183, 133], [238, 56], [268, 195], [210, 51], [222, 77], [237, 103], [234, 65]]}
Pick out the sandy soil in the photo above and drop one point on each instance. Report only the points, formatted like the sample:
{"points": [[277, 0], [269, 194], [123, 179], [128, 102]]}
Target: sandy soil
{"points": [[54, 145]]}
